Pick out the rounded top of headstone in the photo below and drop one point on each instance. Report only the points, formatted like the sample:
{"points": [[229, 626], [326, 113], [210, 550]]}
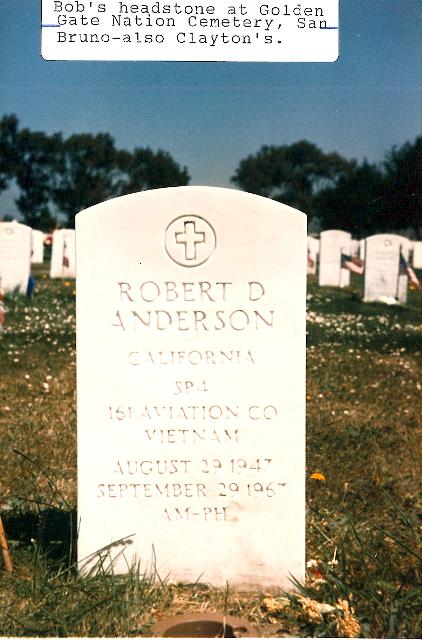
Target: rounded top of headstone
{"points": [[337, 232], [387, 239], [171, 196]]}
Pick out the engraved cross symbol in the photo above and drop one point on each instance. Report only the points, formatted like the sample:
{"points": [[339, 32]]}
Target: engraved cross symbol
{"points": [[190, 238]]}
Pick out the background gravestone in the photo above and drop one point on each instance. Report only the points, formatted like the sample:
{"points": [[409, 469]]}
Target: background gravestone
{"points": [[417, 254], [331, 245], [63, 254], [362, 249], [15, 256], [405, 246], [313, 250], [382, 265], [37, 243], [355, 247], [191, 385]]}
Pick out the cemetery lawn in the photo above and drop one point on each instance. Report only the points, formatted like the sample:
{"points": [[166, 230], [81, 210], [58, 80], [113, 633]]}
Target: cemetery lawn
{"points": [[364, 505]]}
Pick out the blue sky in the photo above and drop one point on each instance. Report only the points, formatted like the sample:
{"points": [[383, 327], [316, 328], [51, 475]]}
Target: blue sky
{"points": [[211, 115]]}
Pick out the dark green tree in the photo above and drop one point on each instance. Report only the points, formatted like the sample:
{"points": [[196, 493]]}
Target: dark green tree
{"points": [[403, 171], [356, 203], [291, 174], [91, 170], [68, 175], [143, 169], [35, 176], [86, 173], [8, 149]]}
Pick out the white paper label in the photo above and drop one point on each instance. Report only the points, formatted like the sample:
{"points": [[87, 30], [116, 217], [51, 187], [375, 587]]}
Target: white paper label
{"points": [[250, 31]]}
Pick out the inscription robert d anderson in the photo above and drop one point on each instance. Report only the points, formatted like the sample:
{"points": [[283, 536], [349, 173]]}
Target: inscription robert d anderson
{"points": [[133, 313]]}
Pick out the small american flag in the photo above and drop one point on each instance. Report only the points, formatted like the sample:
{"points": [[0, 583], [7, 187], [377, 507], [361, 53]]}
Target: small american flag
{"points": [[65, 256], [406, 269], [353, 263], [2, 310]]}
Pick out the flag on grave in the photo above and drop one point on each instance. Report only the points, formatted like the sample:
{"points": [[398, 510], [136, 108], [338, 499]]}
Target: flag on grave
{"points": [[406, 269], [65, 256], [31, 286], [2, 310], [353, 263]]}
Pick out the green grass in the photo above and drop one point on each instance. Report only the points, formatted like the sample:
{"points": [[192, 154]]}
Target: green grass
{"points": [[364, 530]]}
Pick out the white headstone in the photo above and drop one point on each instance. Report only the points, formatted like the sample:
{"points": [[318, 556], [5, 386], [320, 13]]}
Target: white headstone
{"points": [[37, 255], [63, 254], [362, 249], [191, 385], [15, 256], [313, 250], [355, 247], [403, 277], [417, 254], [333, 243], [383, 277]]}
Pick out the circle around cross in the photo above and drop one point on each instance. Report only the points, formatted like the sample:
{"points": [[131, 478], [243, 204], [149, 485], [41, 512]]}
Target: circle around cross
{"points": [[189, 240]]}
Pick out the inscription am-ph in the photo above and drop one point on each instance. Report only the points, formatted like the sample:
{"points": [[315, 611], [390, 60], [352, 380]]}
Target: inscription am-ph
{"points": [[190, 237]]}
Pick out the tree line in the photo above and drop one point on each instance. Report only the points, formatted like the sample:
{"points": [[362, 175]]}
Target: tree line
{"points": [[66, 175], [361, 198], [57, 175]]}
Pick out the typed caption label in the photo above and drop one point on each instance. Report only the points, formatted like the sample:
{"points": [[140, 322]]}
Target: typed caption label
{"points": [[249, 31]]}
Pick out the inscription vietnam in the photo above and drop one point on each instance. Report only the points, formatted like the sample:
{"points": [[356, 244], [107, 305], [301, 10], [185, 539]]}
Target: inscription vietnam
{"points": [[194, 401]]}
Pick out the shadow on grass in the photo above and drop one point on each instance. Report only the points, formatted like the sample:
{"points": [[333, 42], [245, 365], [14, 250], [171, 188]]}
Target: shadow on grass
{"points": [[53, 530]]}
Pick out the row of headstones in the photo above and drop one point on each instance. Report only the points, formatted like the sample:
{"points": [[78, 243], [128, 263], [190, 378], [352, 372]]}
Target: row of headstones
{"points": [[21, 246], [383, 259], [191, 383], [191, 386]]}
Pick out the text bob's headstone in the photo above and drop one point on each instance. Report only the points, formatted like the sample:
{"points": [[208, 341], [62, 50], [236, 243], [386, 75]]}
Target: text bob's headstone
{"points": [[191, 385], [15, 256]]}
